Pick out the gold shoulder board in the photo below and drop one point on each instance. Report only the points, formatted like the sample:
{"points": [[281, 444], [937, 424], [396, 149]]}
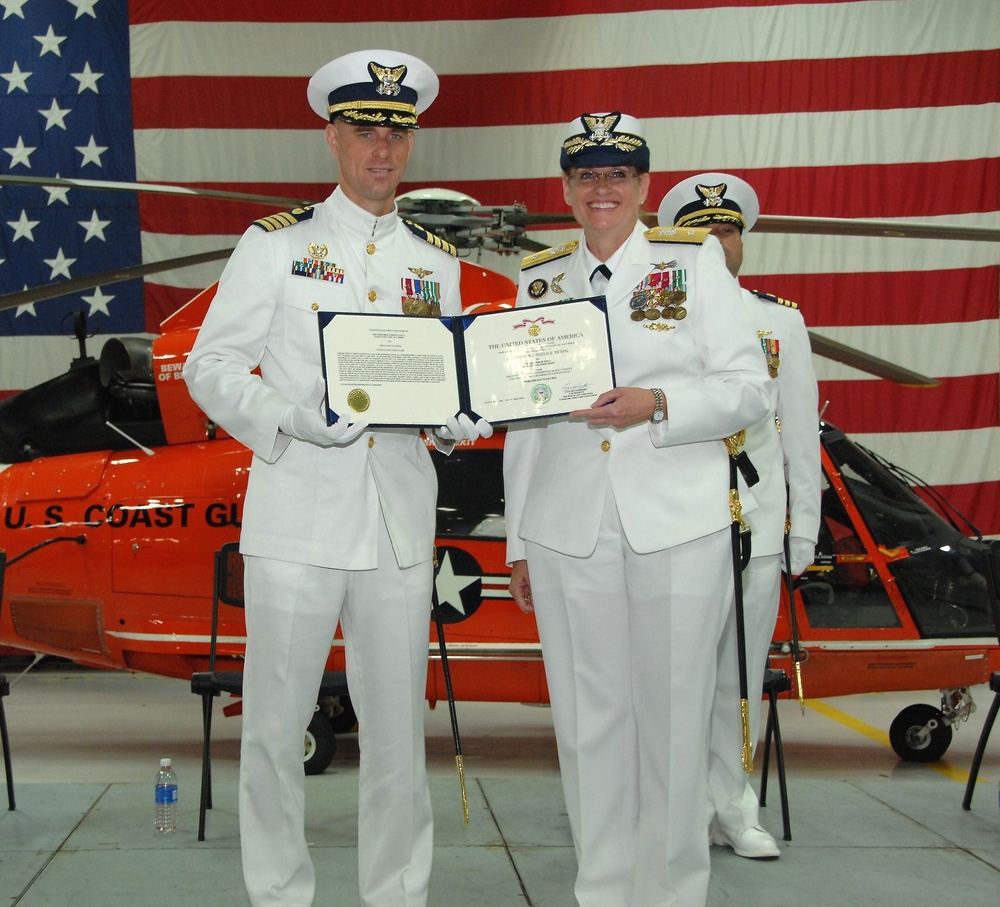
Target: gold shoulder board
{"points": [[768, 297], [431, 238], [550, 254], [677, 234], [284, 219]]}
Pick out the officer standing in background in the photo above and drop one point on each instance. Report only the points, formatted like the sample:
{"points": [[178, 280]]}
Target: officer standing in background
{"points": [[339, 520], [620, 514], [784, 448]]}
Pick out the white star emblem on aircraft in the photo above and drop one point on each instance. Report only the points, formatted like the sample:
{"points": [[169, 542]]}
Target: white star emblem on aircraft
{"points": [[450, 585]]}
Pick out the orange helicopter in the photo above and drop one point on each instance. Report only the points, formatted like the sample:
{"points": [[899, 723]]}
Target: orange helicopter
{"points": [[119, 490]]}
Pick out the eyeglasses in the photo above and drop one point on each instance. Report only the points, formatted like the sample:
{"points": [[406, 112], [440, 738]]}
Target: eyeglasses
{"points": [[594, 177]]}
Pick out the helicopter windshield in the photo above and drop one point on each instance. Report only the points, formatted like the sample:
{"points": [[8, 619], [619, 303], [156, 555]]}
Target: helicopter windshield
{"points": [[941, 575]]}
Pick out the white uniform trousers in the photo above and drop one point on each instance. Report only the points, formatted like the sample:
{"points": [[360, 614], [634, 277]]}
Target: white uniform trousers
{"points": [[292, 613], [732, 801], [628, 641]]}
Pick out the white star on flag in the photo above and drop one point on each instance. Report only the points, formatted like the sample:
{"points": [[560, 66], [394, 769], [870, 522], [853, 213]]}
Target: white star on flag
{"points": [[94, 227], [98, 301], [60, 265], [55, 116], [23, 227], [87, 79], [84, 7], [12, 8], [50, 43], [16, 79], [20, 153], [91, 152]]}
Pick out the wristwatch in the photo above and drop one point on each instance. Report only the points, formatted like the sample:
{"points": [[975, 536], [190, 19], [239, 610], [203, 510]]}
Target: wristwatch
{"points": [[658, 405]]}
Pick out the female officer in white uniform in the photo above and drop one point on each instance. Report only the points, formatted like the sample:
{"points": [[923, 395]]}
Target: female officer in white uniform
{"points": [[618, 525]]}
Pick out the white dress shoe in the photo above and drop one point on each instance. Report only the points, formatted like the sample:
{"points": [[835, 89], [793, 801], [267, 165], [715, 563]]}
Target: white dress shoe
{"points": [[754, 843]]}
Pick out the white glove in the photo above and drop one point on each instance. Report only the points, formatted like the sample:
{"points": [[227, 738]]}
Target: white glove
{"points": [[803, 553], [461, 428], [307, 422]]}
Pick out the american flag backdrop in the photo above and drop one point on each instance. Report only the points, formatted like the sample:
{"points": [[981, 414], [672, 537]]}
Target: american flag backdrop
{"points": [[882, 109]]}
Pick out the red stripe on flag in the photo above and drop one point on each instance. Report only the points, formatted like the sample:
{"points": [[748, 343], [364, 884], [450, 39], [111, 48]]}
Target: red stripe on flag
{"points": [[897, 297], [876, 406], [877, 192], [716, 89], [147, 11], [979, 503]]}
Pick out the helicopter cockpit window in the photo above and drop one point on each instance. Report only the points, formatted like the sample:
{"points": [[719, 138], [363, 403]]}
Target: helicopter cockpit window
{"points": [[842, 589], [892, 511], [470, 493], [940, 574]]}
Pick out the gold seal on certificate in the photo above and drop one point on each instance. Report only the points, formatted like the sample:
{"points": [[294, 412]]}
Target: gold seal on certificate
{"points": [[358, 400], [503, 366]]}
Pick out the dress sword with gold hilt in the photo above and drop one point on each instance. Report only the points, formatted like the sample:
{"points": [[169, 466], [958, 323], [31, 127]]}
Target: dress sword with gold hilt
{"points": [[739, 461]]}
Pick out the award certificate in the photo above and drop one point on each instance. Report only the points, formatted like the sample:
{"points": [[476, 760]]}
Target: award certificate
{"points": [[504, 366]]}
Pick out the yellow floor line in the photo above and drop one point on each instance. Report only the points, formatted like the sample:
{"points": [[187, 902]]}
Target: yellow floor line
{"points": [[882, 738]]}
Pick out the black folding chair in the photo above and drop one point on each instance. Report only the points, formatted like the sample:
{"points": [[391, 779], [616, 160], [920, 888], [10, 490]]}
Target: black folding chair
{"points": [[228, 590], [776, 682], [993, 586]]}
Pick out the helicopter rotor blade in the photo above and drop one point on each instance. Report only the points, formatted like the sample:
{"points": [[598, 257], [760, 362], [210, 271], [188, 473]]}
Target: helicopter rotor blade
{"points": [[865, 362], [839, 226], [155, 188], [835, 226], [77, 285]]}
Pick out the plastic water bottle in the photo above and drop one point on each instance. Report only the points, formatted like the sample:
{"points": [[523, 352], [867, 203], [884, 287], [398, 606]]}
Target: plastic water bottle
{"points": [[166, 798]]}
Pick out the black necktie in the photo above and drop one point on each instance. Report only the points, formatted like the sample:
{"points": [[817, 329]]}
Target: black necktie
{"points": [[599, 278]]}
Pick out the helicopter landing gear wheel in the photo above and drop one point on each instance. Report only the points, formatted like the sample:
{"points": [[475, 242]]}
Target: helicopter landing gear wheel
{"points": [[919, 733], [320, 745], [343, 720]]}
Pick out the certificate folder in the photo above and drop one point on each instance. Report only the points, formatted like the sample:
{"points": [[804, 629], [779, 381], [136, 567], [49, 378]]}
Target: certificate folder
{"points": [[504, 366]]}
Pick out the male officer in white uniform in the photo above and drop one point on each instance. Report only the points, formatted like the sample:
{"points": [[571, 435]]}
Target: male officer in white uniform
{"points": [[784, 448], [339, 520], [621, 514]]}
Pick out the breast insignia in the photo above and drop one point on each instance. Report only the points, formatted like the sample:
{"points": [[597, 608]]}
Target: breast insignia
{"points": [[284, 219], [696, 235], [769, 297], [551, 254], [429, 237]]}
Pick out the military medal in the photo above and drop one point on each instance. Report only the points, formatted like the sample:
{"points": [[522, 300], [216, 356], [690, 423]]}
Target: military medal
{"points": [[660, 295], [421, 297], [771, 347]]}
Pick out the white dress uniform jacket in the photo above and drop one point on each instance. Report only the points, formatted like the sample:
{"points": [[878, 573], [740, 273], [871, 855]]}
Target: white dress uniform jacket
{"points": [[783, 447], [670, 480], [336, 257]]}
